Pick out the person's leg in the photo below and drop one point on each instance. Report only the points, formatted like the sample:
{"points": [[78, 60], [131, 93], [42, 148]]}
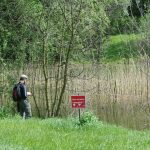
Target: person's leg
{"points": [[21, 108], [27, 109]]}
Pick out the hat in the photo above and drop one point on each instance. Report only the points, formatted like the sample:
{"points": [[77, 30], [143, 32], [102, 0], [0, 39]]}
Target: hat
{"points": [[23, 76]]}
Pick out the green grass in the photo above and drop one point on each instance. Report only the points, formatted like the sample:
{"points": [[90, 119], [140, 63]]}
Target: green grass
{"points": [[63, 134], [121, 46]]}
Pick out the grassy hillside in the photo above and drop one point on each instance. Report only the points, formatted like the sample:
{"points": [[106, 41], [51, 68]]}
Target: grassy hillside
{"points": [[121, 46], [60, 134]]}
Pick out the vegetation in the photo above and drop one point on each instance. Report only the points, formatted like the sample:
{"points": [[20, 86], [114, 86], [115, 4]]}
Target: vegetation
{"points": [[65, 134], [138, 8], [31, 28], [121, 47]]}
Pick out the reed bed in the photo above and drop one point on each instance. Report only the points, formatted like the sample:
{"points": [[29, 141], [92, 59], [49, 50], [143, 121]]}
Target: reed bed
{"points": [[116, 93]]}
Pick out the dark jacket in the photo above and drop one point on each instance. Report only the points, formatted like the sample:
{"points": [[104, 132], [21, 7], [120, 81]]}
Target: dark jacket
{"points": [[23, 91]]}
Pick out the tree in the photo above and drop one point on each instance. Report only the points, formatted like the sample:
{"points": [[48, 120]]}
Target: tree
{"points": [[15, 35], [120, 22], [55, 33], [72, 31], [138, 8]]}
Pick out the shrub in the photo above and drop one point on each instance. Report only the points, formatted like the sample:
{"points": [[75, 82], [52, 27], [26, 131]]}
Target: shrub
{"points": [[88, 118]]}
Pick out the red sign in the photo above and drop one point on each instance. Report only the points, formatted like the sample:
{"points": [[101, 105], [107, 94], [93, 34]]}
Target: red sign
{"points": [[78, 101]]}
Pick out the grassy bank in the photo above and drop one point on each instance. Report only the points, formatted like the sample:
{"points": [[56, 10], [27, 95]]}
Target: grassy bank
{"points": [[59, 134], [121, 46]]}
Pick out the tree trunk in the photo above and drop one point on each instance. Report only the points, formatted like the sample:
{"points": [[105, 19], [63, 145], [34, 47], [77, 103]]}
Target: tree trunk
{"points": [[45, 77]]}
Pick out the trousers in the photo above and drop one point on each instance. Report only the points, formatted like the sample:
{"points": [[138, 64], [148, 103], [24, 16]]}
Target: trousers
{"points": [[25, 109]]}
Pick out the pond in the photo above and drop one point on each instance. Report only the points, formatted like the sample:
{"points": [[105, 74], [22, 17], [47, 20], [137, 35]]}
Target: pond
{"points": [[115, 93]]}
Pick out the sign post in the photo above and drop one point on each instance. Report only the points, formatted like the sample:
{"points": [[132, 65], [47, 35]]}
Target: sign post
{"points": [[78, 102], [79, 114]]}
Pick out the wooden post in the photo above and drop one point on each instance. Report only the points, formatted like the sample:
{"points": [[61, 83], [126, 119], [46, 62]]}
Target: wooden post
{"points": [[79, 114]]}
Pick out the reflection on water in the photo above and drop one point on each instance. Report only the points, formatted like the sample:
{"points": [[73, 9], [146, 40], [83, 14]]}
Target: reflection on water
{"points": [[129, 115]]}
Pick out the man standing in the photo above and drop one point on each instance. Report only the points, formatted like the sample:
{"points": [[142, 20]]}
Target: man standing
{"points": [[24, 104]]}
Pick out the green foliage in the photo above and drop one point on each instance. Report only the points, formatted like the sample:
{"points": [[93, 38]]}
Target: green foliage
{"points": [[7, 81], [145, 27], [24, 26], [138, 8], [121, 46], [120, 22], [143, 44], [88, 118], [11, 28], [16, 36], [62, 134]]}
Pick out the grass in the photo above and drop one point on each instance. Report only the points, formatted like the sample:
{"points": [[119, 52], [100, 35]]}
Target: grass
{"points": [[115, 48], [121, 46], [63, 134]]}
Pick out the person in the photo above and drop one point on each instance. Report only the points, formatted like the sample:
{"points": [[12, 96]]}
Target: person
{"points": [[24, 106]]}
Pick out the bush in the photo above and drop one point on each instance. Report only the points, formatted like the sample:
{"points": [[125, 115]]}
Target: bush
{"points": [[88, 118]]}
